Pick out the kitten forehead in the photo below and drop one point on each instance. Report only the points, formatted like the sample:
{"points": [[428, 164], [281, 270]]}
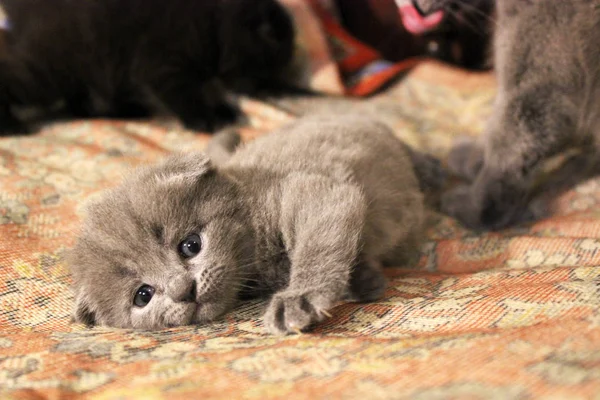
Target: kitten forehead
{"points": [[159, 205]]}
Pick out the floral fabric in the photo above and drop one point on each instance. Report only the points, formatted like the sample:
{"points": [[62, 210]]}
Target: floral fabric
{"points": [[513, 314]]}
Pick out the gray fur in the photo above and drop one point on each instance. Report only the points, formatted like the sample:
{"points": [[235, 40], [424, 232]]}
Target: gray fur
{"points": [[307, 215], [547, 58]]}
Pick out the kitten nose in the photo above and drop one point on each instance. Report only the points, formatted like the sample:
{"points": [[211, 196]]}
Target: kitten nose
{"points": [[184, 291]]}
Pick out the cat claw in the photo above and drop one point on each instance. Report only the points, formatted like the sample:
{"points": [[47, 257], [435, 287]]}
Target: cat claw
{"points": [[297, 330]]}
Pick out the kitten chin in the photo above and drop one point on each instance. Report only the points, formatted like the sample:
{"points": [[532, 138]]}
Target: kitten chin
{"points": [[208, 312], [154, 56]]}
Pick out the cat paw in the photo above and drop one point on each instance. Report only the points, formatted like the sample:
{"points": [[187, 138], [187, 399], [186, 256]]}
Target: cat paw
{"points": [[367, 283], [429, 170], [294, 311], [494, 210], [466, 159], [458, 203]]}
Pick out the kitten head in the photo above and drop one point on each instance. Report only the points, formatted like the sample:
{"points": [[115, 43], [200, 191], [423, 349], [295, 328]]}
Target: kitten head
{"points": [[165, 248], [260, 33]]}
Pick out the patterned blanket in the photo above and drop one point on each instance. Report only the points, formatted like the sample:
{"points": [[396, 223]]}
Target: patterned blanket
{"points": [[513, 314]]}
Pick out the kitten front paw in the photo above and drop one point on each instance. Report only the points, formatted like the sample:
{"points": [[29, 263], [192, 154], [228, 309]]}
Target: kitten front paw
{"points": [[294, 311], [466, 159]]}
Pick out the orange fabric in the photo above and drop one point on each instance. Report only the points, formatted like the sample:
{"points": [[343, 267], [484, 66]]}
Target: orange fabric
{"points": [[363, 70]]}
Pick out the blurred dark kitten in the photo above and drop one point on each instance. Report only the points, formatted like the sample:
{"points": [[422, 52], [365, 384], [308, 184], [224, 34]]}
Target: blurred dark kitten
{"points": [[130, 58]]}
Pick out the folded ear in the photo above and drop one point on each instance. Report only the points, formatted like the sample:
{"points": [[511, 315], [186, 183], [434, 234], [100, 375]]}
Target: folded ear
{"points": [[82, 312], [222, 146], [183, 168]]}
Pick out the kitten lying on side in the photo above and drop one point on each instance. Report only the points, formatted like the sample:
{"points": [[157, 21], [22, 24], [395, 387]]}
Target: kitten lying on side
{"points": [[126, 58], [308, 215], [547, 59]]}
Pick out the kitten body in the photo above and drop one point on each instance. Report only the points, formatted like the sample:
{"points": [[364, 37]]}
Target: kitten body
{"points": [[128, 58], [547, 61], [307, 215]]}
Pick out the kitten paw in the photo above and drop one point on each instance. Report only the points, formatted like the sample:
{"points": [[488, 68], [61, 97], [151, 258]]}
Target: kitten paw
{"points": [[494, 210], [294, 311], [458, 203], [466, 158], [367, 283], [429, 170]]}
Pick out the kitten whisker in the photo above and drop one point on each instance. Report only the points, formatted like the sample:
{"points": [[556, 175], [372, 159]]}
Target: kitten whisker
{"points": [[472, 9]]}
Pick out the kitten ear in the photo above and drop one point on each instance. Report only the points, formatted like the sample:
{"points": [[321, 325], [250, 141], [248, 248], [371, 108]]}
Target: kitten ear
{"points": [[222, 146], [184, 168], [83, 312]]}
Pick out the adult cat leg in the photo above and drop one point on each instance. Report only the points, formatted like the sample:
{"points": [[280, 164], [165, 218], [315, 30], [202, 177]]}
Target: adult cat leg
{"points": [[529, 127], [322, 223], [199, 104]]}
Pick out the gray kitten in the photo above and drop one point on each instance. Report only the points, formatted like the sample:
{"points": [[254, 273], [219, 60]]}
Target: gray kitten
{"points": [[307, 215], [547, 57]]}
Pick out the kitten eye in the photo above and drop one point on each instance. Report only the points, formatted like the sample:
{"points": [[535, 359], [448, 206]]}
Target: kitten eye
{"points": [[190, 246], [143, 296]]}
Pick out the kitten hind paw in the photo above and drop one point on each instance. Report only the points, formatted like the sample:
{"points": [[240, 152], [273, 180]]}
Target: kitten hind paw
{"points": [[493, 212], [367, 283], [458, 203]]}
